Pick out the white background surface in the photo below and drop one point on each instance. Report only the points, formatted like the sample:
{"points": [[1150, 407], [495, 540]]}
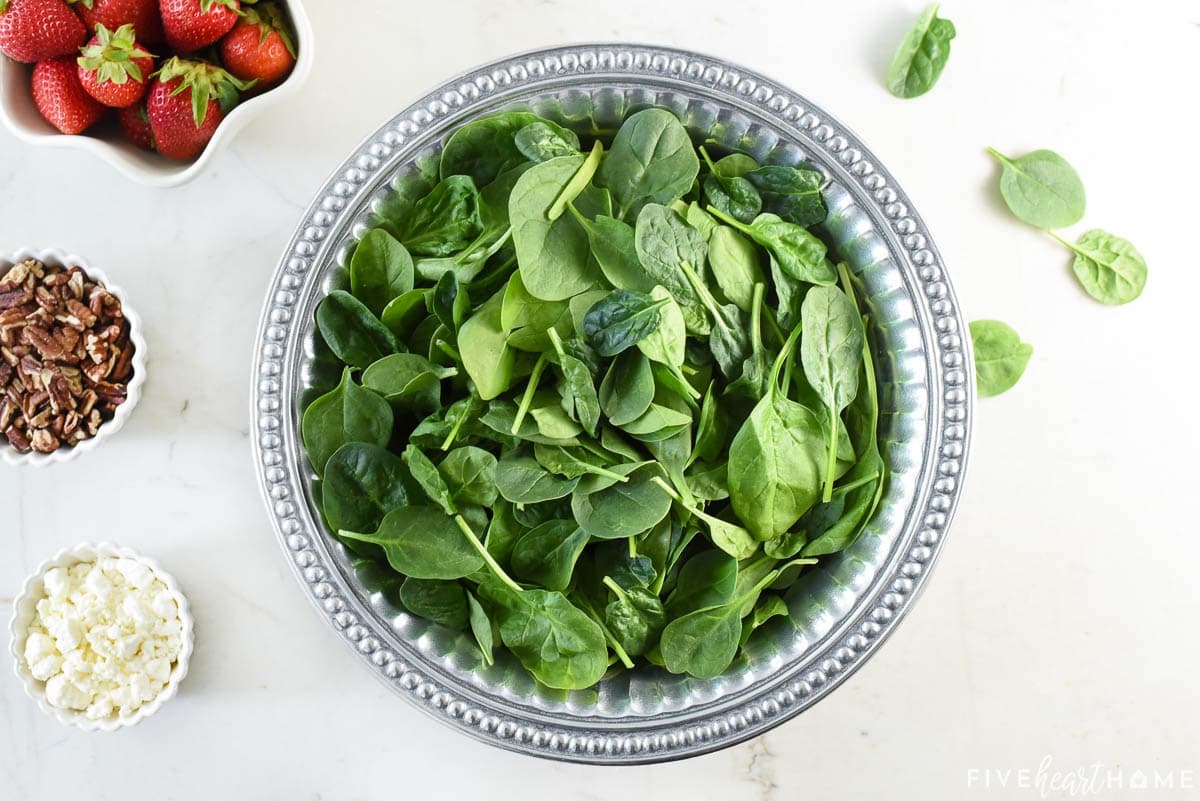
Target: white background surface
{"points": [[1061, 621]]}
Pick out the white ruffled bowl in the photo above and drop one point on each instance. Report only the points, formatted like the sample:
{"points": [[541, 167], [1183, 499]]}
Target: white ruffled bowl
{"points": [[19, 113], [25, 610], [133, 392]]}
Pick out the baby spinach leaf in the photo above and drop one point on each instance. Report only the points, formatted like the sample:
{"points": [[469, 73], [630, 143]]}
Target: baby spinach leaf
{"points": [[628, 387], [711, 428], [752, 383], [350, 330], [734, 264], [520, 309], [470, 475], [850, 508], [543, 140], [921, 56], [789, 294], [577, 388], [481, 628], [486, 356], [623, 509], [729, 537], [572, 462], [830, 353], [560, 645], [443, 602], [449, 302], [736, 196], [380, 270], [1109, 268], [666, 346], [635, 617], [656, 418], [729, 340], [445, 221], [768, 606], [613, 247], [727, 189], [651, 161], [664, 241], [792, 193], [408, 381], [703, 643], [426, 473], [1000, 356], [402, 314], [708, 481], [503, 531], [554, 425], [484, 148], [620, 320], [521, 479], [546, 555], [553, 251], [362, 482], [422, 542], [1041, 188], [776, 460], [705, 580], [798, 252], [700, 219], [347, 413]]}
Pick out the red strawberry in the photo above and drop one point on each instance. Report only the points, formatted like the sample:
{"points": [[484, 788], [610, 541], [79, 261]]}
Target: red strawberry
{"points": [[187, 102], [259, 47], [136, 126], [114, 68], [193, 24], [35, 30], [112, 14], [60, 97]]}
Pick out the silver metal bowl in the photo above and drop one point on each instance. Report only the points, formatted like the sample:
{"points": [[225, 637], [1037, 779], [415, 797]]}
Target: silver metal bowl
{"points": [[839, 613]]}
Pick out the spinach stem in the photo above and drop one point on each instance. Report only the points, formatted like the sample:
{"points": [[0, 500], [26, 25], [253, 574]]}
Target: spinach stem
{"points": [[487, 556], [773, 324], [1000, 157], [617, 589], [446, 348], [606, 473], [858, 482], [633, 547], [608, 635], [458, 424], [756, 306], [725, 218], [785, 355], [578, 182], [1065, 242], [700, 289], [530, 389], [831, 463]]}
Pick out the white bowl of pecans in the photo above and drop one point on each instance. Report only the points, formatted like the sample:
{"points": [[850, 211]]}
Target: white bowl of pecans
{"points": [[72, 357]]}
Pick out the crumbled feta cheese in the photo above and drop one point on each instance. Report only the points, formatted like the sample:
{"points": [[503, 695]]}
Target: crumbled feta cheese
{"points": [[55, 582], [63, 693], [105, 637], [41, 655]]}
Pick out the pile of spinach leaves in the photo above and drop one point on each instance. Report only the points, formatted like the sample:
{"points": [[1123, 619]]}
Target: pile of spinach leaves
{"points": [[600, 403]]}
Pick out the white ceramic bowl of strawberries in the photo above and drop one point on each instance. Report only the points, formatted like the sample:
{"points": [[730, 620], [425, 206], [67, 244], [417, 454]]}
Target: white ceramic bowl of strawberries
{"points": [[60, 72]]}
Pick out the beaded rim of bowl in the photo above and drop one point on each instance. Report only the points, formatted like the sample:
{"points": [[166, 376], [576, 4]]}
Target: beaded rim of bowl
{"points": [[647, 738]]}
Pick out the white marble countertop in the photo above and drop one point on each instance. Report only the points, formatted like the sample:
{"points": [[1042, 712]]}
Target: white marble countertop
{"points": [[1061, 621]]}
